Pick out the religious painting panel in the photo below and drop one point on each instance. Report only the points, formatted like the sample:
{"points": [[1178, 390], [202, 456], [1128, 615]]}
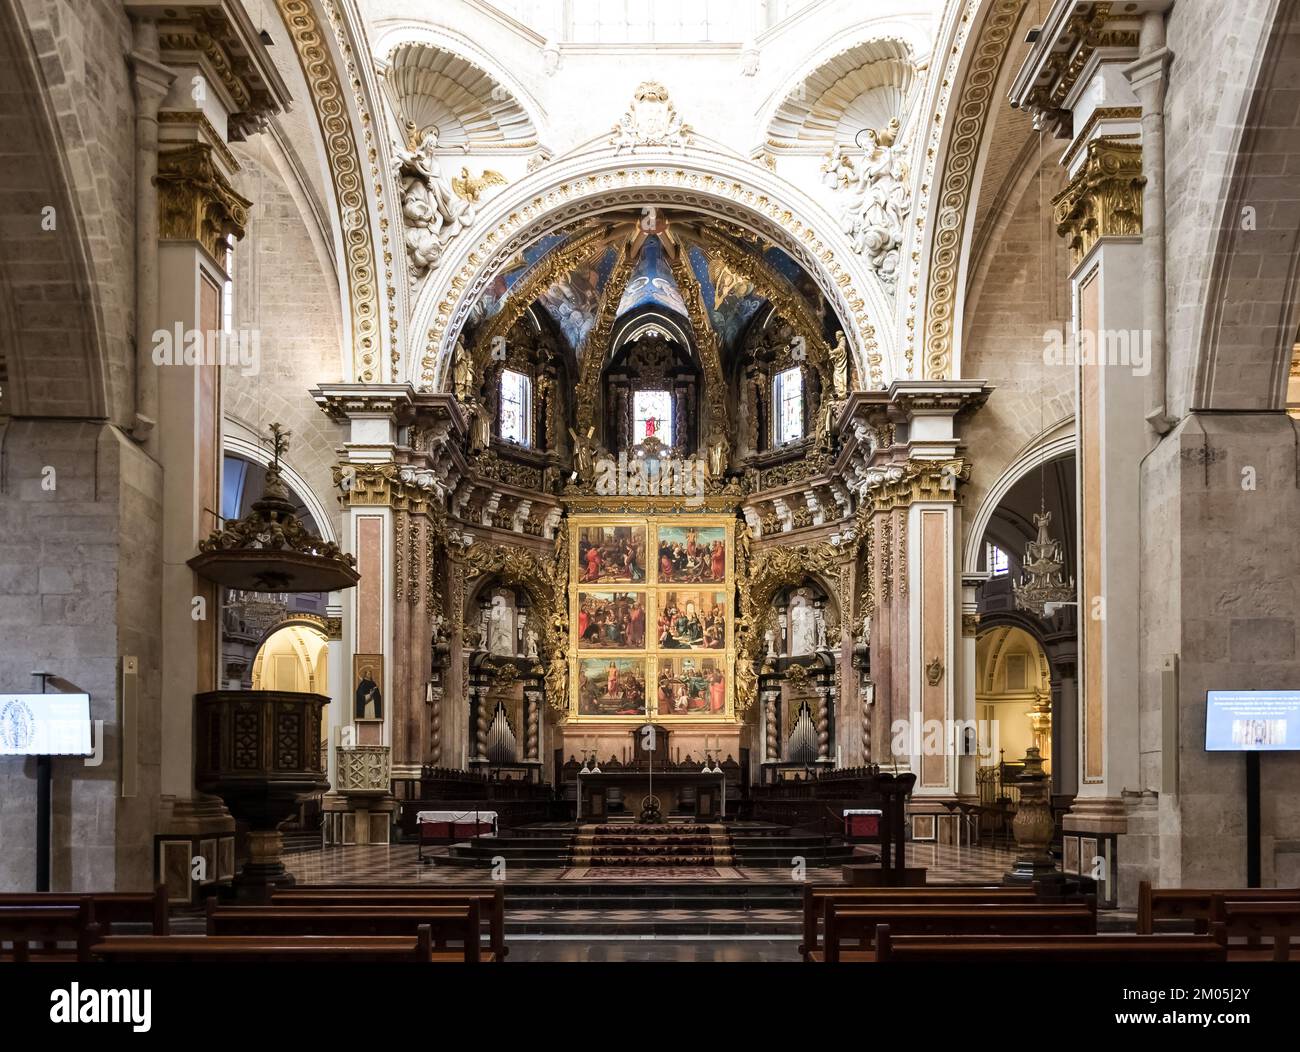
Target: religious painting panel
{"points": [[691, 685], [692, 554], [611, 687], [691, 620], [611, 620], [611, 554], [368, 686]]}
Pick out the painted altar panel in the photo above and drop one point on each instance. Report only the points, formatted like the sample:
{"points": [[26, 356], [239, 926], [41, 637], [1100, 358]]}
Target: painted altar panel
{"points": [[652, 616]]}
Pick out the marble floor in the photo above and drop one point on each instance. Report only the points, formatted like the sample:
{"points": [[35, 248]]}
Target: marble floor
{"points": [[398, 864]]}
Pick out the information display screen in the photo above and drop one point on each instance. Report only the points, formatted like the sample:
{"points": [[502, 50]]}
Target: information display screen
{"points": [[45, 725], [1252, 720]]}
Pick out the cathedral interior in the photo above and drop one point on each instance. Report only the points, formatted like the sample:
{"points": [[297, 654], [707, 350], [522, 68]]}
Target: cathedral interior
{"points": [[658, 480]]}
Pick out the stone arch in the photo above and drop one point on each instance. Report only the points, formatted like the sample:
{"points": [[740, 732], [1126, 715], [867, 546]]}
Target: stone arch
{"points": [[1059, 442], [1252, 299], [54, 345], [705, 180]]}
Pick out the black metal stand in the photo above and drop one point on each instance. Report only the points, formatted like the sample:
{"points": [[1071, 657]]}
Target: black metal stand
{"points": [[1252, 820], [44, 785]]}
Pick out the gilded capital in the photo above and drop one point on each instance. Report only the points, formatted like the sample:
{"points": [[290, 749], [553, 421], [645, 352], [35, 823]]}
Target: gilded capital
{"points": [[196, 202], [1104, 199]]}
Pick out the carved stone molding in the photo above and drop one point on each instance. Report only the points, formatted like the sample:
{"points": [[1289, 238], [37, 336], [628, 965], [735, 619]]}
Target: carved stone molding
{"points": [[196, 202], [900, 485], [344, 164], [638, 184], [651, 120], [362, 768], [1104, 199], [952, 201]]}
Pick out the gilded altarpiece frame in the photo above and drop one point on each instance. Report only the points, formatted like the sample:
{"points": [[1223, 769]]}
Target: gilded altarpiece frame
{"points": [[606, 672]]}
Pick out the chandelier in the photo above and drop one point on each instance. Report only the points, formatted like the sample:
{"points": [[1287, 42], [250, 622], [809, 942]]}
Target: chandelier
{"points": [[1041, 580], [269, 549]]}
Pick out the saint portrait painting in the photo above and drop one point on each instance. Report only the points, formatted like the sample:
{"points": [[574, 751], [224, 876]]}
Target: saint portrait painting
{"points": [[368, 677], [611, 620], [692, 554]]}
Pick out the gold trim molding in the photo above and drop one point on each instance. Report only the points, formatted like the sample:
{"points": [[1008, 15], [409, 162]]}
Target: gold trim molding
{"points": [[196, 202], [1104, 199], [968, 120], [344, 163]]}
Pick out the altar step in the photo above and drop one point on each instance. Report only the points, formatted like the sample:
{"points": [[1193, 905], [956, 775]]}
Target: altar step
{"points": [[651, 846]]}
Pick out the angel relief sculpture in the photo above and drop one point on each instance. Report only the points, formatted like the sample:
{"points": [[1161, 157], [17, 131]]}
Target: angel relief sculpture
{"points": [[876, 197], [434, 208]]}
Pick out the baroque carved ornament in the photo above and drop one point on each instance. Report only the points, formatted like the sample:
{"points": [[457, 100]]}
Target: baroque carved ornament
{"points": [[196, 202], [651, 121], [1104, 199]]}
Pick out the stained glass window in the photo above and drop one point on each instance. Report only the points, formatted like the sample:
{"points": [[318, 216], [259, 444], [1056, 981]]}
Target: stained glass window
{"points": [[652, 416], [997, 560], [787, 397], [516, 407]]}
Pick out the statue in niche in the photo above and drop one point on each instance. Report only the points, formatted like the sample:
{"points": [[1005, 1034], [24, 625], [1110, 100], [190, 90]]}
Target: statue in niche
{"points": [[819, 621], [840, 365], [432, 212], [803, 626], [825, 422], [462, 377], [481, 427], [744, 542], [878, 203], [719, 454], [500, 625], [584, 454], [769, 638], [864, 631]]}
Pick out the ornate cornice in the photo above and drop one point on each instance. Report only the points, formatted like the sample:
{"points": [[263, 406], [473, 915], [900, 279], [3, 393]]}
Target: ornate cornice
{"points": [[344, 163], [401, 488], [901, 485], [196, 202], [205, 129], [954, 196], [1104, 199]]}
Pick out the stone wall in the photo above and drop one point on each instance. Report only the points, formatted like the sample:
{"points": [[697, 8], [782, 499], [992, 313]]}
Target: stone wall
{"points": [[287, 294], [78, 587]]}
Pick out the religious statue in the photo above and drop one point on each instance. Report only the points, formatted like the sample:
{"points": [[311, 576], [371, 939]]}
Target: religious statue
{"points": [[837, 168], [840, 365], [432, 212], [481, 427], [463, 374], [825, 422], [819, 623], [719, 454], [878, 202], [864, 631], [744, 541], [584, 454]]}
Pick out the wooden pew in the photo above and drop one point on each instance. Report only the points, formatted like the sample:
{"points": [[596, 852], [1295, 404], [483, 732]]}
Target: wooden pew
{"points": [[20, 926], [1197, 904], [111, 907], [258, 949], [1278, 922], [847, 925], [817, 896], [1047, 949], [458, 924], [490, 899]]}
